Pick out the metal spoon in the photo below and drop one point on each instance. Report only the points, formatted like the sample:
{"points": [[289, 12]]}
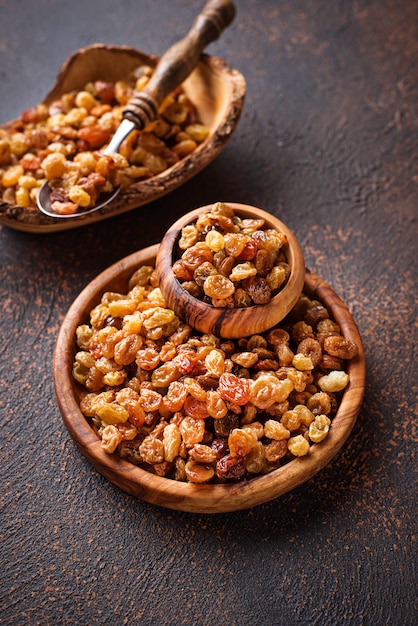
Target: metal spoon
{"points": [[172, 69]]}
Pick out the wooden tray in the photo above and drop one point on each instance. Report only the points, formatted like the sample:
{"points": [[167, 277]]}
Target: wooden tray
{"points": [[186, 496], [216, 90]]}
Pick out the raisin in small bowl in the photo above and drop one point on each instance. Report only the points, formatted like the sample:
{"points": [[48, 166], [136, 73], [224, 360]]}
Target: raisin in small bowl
{"points": [[230, 269]]}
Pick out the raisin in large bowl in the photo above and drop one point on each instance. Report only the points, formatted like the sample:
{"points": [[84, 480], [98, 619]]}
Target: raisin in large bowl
{"points": [[188, 496]]}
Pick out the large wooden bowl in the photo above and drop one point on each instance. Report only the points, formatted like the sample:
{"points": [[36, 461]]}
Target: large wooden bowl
{"points": [[186, 496], [237, 322], [216, 90]]}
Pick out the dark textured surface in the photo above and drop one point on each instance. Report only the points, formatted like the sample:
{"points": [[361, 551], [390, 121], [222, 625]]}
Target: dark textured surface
{"points": [[328, 143]]}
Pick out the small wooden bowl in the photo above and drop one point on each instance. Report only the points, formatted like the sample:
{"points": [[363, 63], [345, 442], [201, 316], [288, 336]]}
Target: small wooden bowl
{"points": [[187, 496], [230, 323], [216, 90]]}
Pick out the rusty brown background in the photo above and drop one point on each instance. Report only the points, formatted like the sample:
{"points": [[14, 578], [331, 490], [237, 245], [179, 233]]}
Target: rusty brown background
{"points": [[328, 143]]}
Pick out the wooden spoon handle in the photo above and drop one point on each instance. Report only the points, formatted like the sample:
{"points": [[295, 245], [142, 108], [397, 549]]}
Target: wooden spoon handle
{"points": [[179, 60]]}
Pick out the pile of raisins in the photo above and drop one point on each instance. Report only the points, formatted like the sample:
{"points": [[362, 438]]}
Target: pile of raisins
{"points": [[193, 407], [231, 262]]}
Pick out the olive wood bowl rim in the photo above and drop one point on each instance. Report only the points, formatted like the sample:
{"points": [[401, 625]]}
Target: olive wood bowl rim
{"points": [[228, 323], [195, 498], [149, 190]]}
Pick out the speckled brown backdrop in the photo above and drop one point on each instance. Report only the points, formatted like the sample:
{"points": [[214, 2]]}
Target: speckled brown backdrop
{"points": [[328, 143]]}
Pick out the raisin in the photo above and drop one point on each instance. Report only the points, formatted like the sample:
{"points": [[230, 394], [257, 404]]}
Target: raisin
{"points": [[329, 362], [241, 441], [126, 350], [199, 472], [234, 389], [196, 255], [220, 447], [225, 223], [231, 467], [202, 272], [319, 403], [226, 266], [266, 365], [312, 349], [181, 271], [185, 362], [218, 286], [176, 395], [30, 163], [225, 425], [275, 450], [235, 243], [195, 408], [249, 251], [104, 90], [315, 315], [264, 262], [258, 289], [94, 136], [192, 430], [340, 347]]}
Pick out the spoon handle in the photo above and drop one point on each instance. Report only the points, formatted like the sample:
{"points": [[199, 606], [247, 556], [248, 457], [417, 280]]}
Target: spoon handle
{"points": [[179, 60]]}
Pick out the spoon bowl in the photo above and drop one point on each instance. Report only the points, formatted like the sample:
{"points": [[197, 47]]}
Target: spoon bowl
{"points": [[44, 200], [45, 203], [230, 322]]}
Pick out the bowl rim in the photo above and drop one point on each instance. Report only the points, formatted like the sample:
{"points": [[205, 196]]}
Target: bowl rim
{"points": [[143, 192], [188, 497]]}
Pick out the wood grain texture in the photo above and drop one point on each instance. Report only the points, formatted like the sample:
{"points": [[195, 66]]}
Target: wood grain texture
{"points": [[216, 90], [186, 496], [230, 323]]}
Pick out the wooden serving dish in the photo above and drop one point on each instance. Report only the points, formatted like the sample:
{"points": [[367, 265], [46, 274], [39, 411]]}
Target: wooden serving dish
{"points": [[230, 323], [216, 90], [187, 496]]}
